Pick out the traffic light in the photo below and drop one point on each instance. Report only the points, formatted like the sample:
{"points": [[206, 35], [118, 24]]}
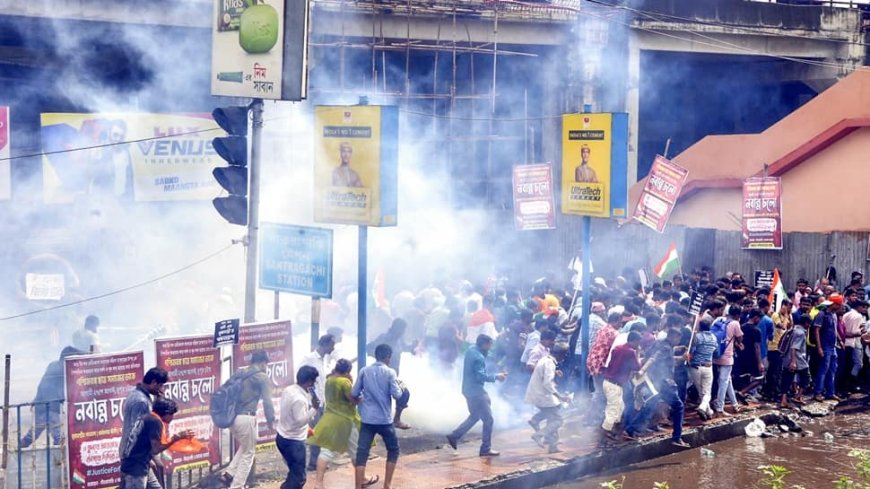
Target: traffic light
{"points": [[233, 148]]}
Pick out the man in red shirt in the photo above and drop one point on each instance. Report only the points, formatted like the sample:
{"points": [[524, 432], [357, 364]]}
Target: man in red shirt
{"points": [[623, 363]]}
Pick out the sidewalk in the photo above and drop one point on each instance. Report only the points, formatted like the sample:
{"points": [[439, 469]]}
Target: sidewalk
{"points": [[442, 467]]}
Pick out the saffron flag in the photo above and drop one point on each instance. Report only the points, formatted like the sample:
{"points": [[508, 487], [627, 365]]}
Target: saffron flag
{"points": [[669, 265], [777, 291]]}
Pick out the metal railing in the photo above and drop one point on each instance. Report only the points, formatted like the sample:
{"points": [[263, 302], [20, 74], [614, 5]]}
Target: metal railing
{"points": [[35, 449]]}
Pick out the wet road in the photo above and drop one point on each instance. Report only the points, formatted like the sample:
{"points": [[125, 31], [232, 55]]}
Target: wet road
{"points": [[815, 461]]}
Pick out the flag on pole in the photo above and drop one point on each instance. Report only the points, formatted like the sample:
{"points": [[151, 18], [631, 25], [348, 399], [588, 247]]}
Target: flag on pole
{"points": [[379, 293], [777, 291], [669, 265]]}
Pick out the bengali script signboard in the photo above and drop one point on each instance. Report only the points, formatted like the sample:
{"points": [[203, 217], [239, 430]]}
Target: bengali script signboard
{"points": [[660, 193], [96, 386], [534, 207], [194, 367], [762, 213], [276, 340]]}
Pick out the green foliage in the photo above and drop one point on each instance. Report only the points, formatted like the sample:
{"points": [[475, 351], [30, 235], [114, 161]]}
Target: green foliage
{"points": [[774, 476], [613, 484], [661, 485]]}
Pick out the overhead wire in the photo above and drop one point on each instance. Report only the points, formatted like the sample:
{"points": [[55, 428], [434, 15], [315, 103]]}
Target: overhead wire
{"points": [[123, 289]]}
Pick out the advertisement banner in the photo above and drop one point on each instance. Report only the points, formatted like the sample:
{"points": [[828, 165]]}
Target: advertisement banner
{"points": [[96, 386], [595, 164], [194, 367], [534, 207], [296, 259], [259, 49], [142, 157], [762, 213], [660, 193], [276, 340], [5, 155], [355, 164]]}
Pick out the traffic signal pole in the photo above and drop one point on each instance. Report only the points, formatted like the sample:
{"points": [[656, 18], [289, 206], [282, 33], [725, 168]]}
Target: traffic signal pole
{"points": [[252, 241]]}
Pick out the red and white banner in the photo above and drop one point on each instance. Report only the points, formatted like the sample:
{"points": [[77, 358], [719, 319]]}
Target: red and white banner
{"points": [[5, 155], [96, 387], [276, 340], [762, 213], [194, 367], [660, 194], [534, 206]]}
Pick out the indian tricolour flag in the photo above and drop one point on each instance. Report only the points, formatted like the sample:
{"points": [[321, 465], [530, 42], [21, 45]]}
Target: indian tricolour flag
{"points": [[777, 291], [669, 265], [78, 478]]}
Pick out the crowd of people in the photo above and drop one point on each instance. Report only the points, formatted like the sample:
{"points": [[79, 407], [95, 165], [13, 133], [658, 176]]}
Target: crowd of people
{"points": [[649, 360]]}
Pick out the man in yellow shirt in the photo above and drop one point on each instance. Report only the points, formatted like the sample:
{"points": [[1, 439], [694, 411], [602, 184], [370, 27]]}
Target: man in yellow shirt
{"points": [[782, 322]]}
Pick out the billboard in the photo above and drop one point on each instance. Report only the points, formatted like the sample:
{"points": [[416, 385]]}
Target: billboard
{"points": [[595, 164], [141, 157], [5, 155], [533, 197], [296, 259], [660, 194], [276, 339], [96, 387], [355, 164], [762, 214], [260, 49], [194, 367]]}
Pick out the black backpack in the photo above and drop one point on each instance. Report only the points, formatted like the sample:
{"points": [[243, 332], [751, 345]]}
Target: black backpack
{"points": [[222, 406]]}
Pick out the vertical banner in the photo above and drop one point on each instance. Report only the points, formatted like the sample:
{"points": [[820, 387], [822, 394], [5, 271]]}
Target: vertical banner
{"points": [[355, 164], [276, 340], [660, 194], [194, 367], [260, 49], [5, 155], [96, 386], [534, 207], [762, 213], [142, 157], [595, 164]]}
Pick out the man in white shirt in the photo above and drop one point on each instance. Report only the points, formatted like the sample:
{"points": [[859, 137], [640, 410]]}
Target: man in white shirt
{"points": [[322, 360], [541, 350], [854, 321], [542, 394], [298, 408]]}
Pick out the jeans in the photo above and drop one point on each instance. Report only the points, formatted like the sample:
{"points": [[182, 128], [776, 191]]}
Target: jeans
{"points": [[40, 424], [855, 356], [681, 377], [670, 395], [367, 434], [702, 377], [826, 373], [402, 401], [244, 430], [479, 409], [148, 481], [293, 452], [725, 388]]}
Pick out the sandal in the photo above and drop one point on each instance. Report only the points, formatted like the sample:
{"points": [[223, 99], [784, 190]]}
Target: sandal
{"points": [[372, 481]]}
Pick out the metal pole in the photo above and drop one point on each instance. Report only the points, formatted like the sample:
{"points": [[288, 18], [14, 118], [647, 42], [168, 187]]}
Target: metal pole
{"points": [[315, 322], [253, 212], [277, 305], [362, 298], [6, 411], [585, 306]]}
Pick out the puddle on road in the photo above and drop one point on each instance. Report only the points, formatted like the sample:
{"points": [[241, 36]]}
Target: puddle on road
{"points": [[814, 461]]}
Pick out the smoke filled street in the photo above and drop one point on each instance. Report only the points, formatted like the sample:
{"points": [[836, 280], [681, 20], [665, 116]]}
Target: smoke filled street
{"points": [[401, 244]]}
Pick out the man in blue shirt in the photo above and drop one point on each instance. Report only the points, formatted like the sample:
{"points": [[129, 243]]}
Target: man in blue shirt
{"points": [[766, 327], [375, 388], [474, 376], [825, 336]]}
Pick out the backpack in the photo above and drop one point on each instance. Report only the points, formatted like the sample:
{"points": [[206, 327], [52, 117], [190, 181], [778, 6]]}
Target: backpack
{"points": [[222, 406], [719, 328], [785, 341]]}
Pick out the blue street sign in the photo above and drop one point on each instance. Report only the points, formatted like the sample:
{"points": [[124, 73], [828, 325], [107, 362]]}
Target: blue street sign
{"points": [[296, 259]]}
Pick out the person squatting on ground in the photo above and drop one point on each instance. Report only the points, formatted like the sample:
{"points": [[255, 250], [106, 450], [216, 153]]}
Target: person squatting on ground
{"points": [[148, 438]]}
